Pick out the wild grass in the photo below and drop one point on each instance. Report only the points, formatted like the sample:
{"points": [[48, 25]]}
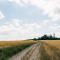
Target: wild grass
{"points": [[13, 48], [49, 51], [53, 42], [13, 43]]}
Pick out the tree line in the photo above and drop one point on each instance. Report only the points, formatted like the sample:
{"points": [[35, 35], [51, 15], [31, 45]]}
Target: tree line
{"points": [[46, 37]]}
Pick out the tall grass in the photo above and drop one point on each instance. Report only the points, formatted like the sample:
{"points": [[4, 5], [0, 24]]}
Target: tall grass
{"points": [[7, 52]]}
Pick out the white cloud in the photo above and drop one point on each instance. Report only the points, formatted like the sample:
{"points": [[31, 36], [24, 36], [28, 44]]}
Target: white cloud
{"points": [[17, 28], [50, 7], [18, 2], [1, 15]]}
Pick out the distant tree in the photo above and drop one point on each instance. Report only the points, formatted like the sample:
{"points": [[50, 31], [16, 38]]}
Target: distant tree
{"points": [[39, 38], [44, 37], [50, 37], [34, 38]]}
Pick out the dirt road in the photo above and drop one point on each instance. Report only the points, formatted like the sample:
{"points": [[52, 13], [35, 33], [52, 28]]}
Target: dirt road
{"points": [[29, 53], [38, 51]]}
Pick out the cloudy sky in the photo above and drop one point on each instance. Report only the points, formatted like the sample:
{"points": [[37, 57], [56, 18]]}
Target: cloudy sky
{"points": [[23, 19]]}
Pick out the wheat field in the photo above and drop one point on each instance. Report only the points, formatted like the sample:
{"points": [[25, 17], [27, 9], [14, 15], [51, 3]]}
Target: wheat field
{"points": [[13, 43], [53, 42]]}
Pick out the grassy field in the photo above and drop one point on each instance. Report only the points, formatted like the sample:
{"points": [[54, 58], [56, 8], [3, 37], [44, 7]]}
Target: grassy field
{"points": [[53, 42], [50, 50], [13, 43], [10, 48]]}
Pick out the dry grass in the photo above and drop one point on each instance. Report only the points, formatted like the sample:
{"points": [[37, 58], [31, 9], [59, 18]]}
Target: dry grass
{"points": [[53, 42], [10, 48], [50, 50], [13, 43]]}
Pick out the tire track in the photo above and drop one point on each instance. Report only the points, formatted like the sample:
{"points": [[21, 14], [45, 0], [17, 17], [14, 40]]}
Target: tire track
{"points": [[26, 54], [38, 51]]}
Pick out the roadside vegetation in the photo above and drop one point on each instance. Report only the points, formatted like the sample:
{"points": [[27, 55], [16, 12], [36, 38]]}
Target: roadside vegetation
{"points": [[8, 52]]}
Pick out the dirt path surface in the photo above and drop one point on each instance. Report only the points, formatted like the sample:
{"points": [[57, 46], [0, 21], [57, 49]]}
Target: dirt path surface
{"points": [[29, 53], [38, 51]]}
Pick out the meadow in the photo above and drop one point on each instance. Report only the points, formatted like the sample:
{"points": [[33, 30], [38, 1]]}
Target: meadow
{"points": [[50, 50], [53, 43], [13, 43], [10, 48]]}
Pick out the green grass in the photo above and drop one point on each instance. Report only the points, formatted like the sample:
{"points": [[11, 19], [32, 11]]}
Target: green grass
{"points": [[7, 52]]}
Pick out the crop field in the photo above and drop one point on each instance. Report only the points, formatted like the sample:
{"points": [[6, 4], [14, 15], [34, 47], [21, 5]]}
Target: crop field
{"points": [[53, 42], [42, 50], [10, 48], [13, 43], [37, 50], [50, 50]]}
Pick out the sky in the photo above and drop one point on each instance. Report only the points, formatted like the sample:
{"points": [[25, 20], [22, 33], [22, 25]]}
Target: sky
{"points": [[25, 19]]}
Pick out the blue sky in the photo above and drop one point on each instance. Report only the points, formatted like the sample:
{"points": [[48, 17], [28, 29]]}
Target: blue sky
{"points": [[24, 19]]}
